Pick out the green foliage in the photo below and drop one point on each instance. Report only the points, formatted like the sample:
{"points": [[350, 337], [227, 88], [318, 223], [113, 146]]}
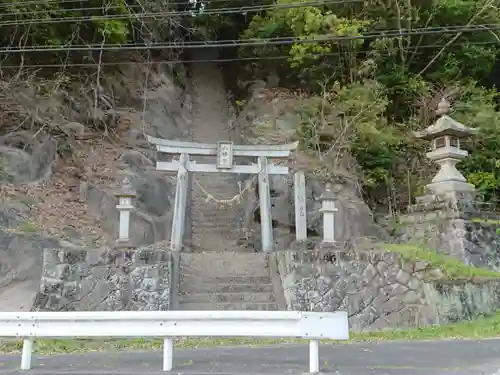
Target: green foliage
{"points": [[478, 109], [367, 94], [309, 62], [37, 24], [388, 87]]}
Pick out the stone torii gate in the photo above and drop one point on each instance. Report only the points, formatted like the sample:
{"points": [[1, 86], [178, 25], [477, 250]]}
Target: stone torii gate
{"points": [[225, 153]]}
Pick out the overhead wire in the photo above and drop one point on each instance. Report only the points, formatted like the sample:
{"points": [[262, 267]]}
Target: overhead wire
{"points": [[48, 2], [224, 60], [218, 11], [252, 42], [120, 7]]}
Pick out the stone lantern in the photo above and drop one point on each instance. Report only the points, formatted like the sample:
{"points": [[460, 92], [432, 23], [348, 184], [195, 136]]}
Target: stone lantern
{"points": [[445, 135], [124, 206], [328, 209]]}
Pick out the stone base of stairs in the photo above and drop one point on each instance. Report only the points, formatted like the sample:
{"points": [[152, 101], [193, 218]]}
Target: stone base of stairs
{"points": [[225, 281]]}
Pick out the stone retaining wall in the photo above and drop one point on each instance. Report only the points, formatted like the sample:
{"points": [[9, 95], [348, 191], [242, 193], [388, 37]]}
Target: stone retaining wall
{"points": [[108, 279], [471, 237], [380, 290]]}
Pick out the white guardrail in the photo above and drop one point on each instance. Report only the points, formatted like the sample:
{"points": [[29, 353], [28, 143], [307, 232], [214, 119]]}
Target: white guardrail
{"points": [[169, 324]]}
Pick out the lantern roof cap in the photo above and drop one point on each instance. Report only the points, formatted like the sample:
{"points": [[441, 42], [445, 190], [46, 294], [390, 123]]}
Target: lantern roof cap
{"points": [[445, 125], [126, 189], [328, 194]]}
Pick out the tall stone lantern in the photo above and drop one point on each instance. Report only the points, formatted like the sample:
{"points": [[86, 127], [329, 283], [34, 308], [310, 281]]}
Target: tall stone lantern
{"points": [[445, 135]]}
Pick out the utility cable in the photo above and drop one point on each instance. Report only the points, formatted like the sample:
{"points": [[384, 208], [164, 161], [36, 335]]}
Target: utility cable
{"points": [[219, 11], [134, 6], [57, 2], [236, 59], [254, 42]]}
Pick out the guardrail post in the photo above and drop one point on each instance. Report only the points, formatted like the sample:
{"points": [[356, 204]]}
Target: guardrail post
{"points": [[328, 210], [125, 196], [314, 356], [168, 354], [26, 354]]}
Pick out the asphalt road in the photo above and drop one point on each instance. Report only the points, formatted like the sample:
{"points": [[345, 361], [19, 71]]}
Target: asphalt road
{"points": [[401, 358]]}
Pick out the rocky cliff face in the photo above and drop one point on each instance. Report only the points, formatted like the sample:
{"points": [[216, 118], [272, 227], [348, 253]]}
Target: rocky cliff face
{"points": [[58, 180], [269, 118]]}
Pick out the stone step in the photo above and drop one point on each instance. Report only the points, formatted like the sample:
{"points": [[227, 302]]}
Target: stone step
{"points": [[225, 264], [217, 212], [226, 297], [197, 280], [216, 186], [212, 238], [194, 248], [219, 191], [213, 228], [214, 215], [201, 200], [208, 233], [210, 220], [225, 258], [213, 220], [214, 225], [229, 306], [225, 288], [215, 248]]}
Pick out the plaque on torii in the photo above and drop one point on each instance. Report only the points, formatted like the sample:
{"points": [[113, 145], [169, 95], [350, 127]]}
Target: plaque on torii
{"points": [[224, 155]]}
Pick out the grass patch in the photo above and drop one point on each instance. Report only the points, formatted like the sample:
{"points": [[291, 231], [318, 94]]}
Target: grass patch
{"points": [[485, 221], [27, 227], [484, 327], [451, 268], [489, 222]]}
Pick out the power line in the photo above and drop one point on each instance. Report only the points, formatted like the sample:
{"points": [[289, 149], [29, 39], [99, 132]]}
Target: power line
{"points": [[47, 2], [219, 11], [85, 9], [57, 2], [107, 8], [250, 58], [255, 42]]}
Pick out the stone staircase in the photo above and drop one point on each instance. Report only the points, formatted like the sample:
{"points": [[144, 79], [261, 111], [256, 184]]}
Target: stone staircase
{"points": [[214, 228], [225, 281], [215, 273]]}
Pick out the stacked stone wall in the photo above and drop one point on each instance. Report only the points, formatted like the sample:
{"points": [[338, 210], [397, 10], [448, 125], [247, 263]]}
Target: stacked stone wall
{"points": [[107, 279], [381, 290]]}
